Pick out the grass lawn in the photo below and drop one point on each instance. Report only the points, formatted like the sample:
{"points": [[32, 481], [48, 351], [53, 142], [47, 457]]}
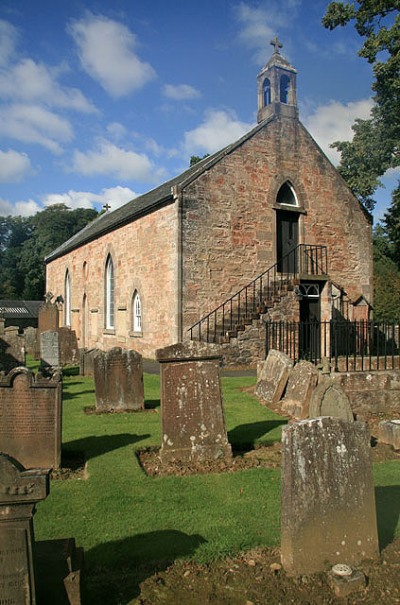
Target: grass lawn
{"points": [[131, 525]]}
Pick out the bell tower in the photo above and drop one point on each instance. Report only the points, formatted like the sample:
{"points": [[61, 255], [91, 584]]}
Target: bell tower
{"points": [[276, 82]]}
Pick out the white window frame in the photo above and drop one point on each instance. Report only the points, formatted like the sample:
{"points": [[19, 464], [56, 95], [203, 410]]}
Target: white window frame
{"points": [[109, 294], [67, 297], [137, 312]]}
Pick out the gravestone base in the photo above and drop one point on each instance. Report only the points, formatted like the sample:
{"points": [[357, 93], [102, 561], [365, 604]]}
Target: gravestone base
{"points": [[197, 454], [59, 565]]}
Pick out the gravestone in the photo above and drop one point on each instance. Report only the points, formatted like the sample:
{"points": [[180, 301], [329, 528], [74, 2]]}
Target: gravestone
{"points": [[32, 573], [48, 320], [30, 418], [49, 350], [389, 432], [68, 346], [193, 424], [86, 361], [19, 493], [302, 381], [12, 349], [30, 335], [272, 377], [328, 511], [329, 399], [118, 378]]}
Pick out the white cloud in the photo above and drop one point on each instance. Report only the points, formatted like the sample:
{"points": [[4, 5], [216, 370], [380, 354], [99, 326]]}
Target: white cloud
{"points": [[116, 131], [8, 40], [180, 92], [259, 25], [114, 196], [333, 122], [35, 82], [110, 159], [21, 208], [220, 128], [35, 124], [107, 50], [14, 166]]}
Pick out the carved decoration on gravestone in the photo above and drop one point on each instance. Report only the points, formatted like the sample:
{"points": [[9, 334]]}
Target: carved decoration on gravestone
{"points": [[118, 377], [272, 377], [19, 493], [193, 423], [328, 510], [302, 381], [329, 399], [30, 418]]}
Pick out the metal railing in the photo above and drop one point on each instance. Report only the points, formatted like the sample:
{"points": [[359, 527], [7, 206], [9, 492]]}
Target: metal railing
{"points": [[349, 345], [260, 294]]}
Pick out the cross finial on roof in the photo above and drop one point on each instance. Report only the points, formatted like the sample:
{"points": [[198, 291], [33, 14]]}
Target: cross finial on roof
{"points": [[276, 44], [107, 207]]}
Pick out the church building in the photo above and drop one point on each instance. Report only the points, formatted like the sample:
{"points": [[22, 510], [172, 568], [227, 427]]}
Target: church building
{"points": [[265, 229]]}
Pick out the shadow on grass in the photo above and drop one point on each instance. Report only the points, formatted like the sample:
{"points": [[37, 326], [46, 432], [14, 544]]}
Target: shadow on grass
{"points": [[387, 512], [244, 437], [151, 404], [67, 395], [116, 569], [94, 445], [70, 371]]}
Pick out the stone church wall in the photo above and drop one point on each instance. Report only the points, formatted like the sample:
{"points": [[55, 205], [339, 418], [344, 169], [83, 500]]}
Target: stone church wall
{"points": [[144, 256], [229, 219]]}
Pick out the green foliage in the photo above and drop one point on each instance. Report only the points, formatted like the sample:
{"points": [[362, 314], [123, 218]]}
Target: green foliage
{"points": [[195, 159], [375, 145], [24, 242], [386, 278]]}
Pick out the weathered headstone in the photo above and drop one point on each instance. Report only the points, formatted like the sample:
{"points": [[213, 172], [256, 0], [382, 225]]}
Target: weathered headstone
{"points": [[68, 346], [48, 320], [329, 399], [272, 377], [389, 432], [49, 350], [86, 361], [19, 493], [328, 510], [302, 381], [30, 418], [193, 424], [12, 349], [30, 334], [118, 377]]}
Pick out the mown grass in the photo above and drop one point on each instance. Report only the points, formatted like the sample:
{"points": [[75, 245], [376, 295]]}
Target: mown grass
{"points": [[131, 525]]}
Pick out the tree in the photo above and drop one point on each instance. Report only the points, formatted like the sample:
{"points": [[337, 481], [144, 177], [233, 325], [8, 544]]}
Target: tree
{"points": [[195, 159], [376, 143], [25, 242]]}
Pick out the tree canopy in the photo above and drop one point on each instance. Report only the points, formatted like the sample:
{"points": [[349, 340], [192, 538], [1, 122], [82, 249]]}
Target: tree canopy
{"points": [[376, 143], [25, 241]]}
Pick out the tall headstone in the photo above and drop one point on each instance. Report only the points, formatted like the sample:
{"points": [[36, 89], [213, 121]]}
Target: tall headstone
{"points": [[68, 346], [19, 493], [193, 424], [30, 418], [272, 377], [329, 399], [48, 320], [302, 381], [49, 350], [328, 500], [118, 378]]}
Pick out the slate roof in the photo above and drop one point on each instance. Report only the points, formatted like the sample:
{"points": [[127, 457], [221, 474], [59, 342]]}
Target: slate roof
{"points": [[19, 309], [146, 203]]}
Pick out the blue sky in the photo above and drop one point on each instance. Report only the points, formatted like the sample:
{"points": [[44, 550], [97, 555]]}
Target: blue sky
{"points": [[101, 101]]}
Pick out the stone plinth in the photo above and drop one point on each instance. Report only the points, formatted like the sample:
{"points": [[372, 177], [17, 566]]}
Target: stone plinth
{"points": [[328, 500], [193, 424], [30, 418], [302, 381], [329, 399], [20, 490], [118, 377], [389, 432], [272, 377]]}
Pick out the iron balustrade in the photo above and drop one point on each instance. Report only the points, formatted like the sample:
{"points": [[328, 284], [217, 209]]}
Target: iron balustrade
{"points": [[349, 345], [260, 294]]}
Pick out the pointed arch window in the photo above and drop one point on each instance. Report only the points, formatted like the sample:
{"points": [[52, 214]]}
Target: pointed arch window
{"points": [[267, 92], [67, 299], [284, 89], [109, 293], [286, 195], [137, 312]]}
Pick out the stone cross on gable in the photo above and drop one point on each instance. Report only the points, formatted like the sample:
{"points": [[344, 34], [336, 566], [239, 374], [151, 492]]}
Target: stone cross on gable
{"points": [[276, 44]]}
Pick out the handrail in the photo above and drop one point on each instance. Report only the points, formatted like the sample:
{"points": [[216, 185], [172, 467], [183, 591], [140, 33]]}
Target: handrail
{"points": [[249, 300]]}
